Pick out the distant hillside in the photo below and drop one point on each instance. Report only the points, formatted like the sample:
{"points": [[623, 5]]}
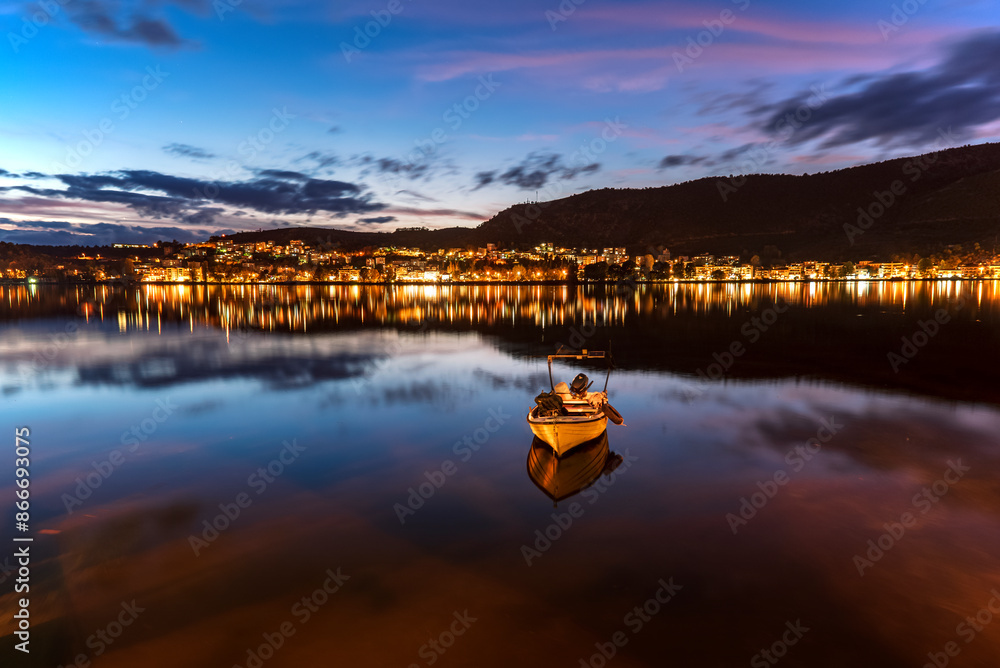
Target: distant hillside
{"points": [[452, 237], [952, 197]]}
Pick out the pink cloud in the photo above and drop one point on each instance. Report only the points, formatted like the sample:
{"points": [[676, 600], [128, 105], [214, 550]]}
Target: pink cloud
{"points": [[831, 159], [432, 213], [460, 63], [528, 136], [660, 17], [988, 131], [761, 44], [803, 58], [81, 211], [533, 137], [35, 208], [643, 82], [652, 68]]}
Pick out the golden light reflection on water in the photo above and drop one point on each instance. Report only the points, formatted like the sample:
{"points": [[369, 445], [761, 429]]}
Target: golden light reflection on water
{"points": [[297, 308]]}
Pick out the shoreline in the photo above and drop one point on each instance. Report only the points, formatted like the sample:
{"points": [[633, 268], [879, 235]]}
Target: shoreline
{"points": [[754, 281]]}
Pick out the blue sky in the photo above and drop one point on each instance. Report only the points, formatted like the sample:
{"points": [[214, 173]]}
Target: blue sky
{"points": [[144, 119]]}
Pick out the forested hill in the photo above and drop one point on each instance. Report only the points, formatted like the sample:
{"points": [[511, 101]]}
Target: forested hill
{"points": [[916, 205]]}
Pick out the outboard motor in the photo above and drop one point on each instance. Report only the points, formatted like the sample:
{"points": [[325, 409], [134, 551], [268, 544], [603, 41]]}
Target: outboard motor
{"points": [[580, 384]]}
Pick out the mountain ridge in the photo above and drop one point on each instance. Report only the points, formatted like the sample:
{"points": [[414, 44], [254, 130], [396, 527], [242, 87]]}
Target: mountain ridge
{"points": [[916, 205], [911, 205], [812, 216]]}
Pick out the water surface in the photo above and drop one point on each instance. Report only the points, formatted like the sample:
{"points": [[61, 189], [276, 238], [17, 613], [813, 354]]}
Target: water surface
{"points": [[367, 393]]}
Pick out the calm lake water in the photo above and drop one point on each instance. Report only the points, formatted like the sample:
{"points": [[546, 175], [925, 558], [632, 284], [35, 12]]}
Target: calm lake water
{"points": [[808, 471]]}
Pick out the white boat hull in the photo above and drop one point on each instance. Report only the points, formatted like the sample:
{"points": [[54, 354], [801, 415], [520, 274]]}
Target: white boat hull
{"points": [[563, 433]]}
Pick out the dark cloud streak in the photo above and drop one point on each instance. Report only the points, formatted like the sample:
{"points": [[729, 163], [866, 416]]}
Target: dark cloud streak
{"points": [[60, 233], [164, 196], [99, 17], [680, 160], [188, 151], [907, 108], [534, 172]]}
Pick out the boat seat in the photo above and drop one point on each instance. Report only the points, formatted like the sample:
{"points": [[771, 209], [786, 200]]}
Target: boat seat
{"points": [[578, 408]]}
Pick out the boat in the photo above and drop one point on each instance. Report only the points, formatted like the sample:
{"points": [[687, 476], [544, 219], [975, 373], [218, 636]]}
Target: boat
{"points": [[571, 415], [561, 478]]}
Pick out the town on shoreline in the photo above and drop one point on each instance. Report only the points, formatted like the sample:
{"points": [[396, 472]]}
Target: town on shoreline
{"points": [[224, 261]]}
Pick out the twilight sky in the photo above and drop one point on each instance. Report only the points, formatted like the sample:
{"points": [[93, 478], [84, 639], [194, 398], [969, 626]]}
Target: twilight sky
{"points": [[137, 120]]}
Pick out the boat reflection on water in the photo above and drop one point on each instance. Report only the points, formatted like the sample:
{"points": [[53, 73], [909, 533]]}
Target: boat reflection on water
{"points": [[562, 477]]}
